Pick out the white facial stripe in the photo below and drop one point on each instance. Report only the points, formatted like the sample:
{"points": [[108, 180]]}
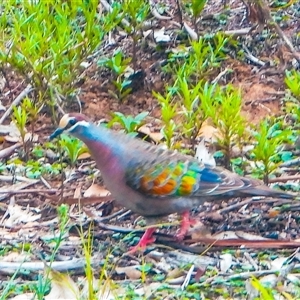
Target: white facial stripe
{"points": [[80, 123]]}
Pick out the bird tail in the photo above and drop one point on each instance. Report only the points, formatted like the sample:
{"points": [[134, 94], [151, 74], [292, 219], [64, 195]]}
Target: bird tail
{"points": [[262, 190]]}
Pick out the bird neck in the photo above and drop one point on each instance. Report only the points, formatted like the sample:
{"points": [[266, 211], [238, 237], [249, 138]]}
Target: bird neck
{"points": [[102, 145]]}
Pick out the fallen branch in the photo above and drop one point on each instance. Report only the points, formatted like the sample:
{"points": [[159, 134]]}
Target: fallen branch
{"points": [[22, 95], [36, 266]]}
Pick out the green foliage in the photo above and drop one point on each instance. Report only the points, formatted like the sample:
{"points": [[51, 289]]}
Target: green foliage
{"points": [[136, 12], [31, 109], [72, 146], [129, 123], [292, 100], [46, 41], [195, 101], [110, 20], [168, 115], [195, 7], [225, 112], [34, 169], [43, 284], [265, 292], [118, 64], [122, 87], [292, 81], [184, 115], [199, 61], [20, 119], [26, 113], [270, 139]]}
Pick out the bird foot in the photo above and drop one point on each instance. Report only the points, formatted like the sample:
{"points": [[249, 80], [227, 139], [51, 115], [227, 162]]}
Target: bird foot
{"points": [[185, 225], [145, 240]]}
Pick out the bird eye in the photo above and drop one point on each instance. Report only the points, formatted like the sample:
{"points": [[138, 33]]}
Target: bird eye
{"points": [[72, 122]]}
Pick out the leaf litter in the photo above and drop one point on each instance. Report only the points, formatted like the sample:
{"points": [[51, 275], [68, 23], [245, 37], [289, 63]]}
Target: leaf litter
{"points": [[229, 242]]}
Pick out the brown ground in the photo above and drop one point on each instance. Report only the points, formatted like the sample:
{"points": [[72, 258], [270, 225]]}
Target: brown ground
{"points": [[261, 87]]}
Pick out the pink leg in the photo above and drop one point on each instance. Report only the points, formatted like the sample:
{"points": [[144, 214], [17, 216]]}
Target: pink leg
{"points": [[146, 239], [186, 222]]}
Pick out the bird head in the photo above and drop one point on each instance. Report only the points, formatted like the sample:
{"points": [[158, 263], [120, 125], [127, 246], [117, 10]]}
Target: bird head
{"points": [[70, 123]]}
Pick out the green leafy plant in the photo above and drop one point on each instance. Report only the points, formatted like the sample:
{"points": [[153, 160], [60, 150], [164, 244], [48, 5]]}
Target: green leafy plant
{"points": [[34, 169], [292, 80], [198, 61], [136, 12], [72, 146], [168, 115], [43, 284], [25, 114], [270, 138], [46, 42], [292, 100], [119, 65], [20, 118], [122, 87], [196, 7], [265, 292], [32, 110], [195, 101], [225, 112], [129, 123]]}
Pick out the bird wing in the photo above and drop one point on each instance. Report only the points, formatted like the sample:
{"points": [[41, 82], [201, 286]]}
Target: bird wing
{"points": [[177, 175]]}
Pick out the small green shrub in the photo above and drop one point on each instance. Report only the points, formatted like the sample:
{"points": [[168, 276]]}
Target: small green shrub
{"points": [[270, 137], [129, 123], [46, 41], [225, 112]]}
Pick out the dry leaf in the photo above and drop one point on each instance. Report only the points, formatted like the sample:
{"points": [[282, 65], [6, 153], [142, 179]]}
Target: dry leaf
{"points": [[96, 190], [203, 154], [249, 236], [31, 138], [270, 280], [62, 287], [77, 192], [131, 272], [209, 132], [160, 36], [272, 213], [252, 292], [10, 129], [277, 263], [104, 289], [199, 231], [84, 155], [15, 257], [18, 215], [225, 235], [225, 262], [175, 273], [105, 293], [148, 290], [156, 136], [2, 86]]}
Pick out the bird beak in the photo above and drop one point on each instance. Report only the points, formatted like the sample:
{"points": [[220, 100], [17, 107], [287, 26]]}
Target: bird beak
{"points": [[56, 133]]}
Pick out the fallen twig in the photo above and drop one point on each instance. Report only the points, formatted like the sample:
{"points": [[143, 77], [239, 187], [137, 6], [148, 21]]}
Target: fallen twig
{"points": [[35, 266], [285, 178], [22, 95], [155, 13]]}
